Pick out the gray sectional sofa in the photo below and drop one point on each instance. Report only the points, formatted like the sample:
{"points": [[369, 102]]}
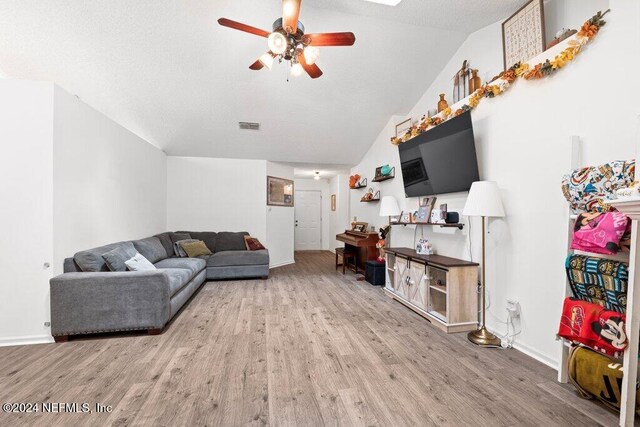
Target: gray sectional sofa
{"points": [[89, 298]]}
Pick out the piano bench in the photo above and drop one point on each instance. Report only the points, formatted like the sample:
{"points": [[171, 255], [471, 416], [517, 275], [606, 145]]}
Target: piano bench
{"points": [[346, 256]]}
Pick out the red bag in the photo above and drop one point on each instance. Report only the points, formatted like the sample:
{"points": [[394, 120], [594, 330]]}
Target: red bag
{"points": [[594, 326]]}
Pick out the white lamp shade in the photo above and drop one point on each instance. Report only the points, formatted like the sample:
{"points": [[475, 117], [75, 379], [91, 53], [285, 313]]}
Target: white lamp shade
{"points": [[484, 200], [389, 206]]}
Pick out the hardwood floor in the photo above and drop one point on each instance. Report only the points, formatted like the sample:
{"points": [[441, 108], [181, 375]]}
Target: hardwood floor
{"points": [[308, 346]]}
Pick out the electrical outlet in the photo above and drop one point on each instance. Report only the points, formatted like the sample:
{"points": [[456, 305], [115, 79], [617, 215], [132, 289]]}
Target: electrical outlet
{"points": [[513, 307]]}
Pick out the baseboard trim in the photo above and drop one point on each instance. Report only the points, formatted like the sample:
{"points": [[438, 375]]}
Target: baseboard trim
{"points": [[26, 340], [523, 348], [282, 264]]}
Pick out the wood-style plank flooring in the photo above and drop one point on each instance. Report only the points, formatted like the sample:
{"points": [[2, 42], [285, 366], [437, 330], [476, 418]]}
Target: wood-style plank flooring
{"points": [[308, 346]]}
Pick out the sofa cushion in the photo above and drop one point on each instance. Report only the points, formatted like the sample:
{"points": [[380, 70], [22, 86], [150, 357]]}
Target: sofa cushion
{"points": [[151, 248], [115, 258], [231, 258], [194, 265], [91, 260], [179, 235], [253, 244], [139, 263], [178, 250], [230, 241], [196, 249], [178, 279], [167, 243], [208, 237]]}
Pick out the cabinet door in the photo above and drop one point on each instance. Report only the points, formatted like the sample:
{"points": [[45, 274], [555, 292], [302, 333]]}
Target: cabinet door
{"points": [[418, 285], [402, 277]]}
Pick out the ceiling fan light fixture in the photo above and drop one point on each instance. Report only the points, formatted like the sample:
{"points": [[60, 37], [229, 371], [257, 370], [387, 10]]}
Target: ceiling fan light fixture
{"points": [[311, 54], [266, 59], [296, 69], [277, 43]]}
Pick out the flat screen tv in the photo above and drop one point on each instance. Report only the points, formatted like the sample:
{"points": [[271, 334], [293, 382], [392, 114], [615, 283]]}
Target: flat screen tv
{"points": [[441, 160]]}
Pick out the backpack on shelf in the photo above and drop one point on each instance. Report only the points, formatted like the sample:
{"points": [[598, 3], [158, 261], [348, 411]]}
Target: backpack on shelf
{"points": [[597, 376]]}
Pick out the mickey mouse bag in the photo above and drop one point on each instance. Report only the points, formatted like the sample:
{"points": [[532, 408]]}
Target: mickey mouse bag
{"points": [[594, 326]]}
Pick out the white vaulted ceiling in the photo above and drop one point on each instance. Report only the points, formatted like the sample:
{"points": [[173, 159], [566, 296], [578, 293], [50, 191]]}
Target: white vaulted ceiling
{"points": [[168, 72]]}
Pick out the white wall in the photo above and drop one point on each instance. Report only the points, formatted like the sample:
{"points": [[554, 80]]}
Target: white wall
{"points": [[339, 219], [205, 194], [73, 179], [523, 142], [280, 222], [26, 169], [229, 195], [321, 185], [109, 184]]}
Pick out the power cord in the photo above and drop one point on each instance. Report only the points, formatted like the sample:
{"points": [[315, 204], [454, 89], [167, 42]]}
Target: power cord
{"points": [[506, 340]]}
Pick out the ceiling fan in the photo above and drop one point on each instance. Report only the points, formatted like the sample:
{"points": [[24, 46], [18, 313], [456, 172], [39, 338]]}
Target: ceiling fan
{"points": [[288, 42]]}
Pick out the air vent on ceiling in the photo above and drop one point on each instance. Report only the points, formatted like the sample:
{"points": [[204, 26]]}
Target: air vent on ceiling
{"points": [[249, 125]]}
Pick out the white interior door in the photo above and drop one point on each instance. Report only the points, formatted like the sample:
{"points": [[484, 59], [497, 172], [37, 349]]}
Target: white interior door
{"points": [[308, 213]]}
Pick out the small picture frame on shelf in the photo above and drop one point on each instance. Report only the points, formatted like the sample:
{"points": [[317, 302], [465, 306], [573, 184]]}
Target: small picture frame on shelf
{"points": [[394, 219], [424, 211], [403, 127], [360, 227]]}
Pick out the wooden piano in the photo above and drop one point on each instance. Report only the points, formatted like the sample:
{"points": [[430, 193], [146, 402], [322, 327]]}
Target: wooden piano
{"points": [[362, 243]]}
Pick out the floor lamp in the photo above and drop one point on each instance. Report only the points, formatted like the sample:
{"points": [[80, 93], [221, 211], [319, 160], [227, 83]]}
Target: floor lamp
{"points": [[484, 201]]}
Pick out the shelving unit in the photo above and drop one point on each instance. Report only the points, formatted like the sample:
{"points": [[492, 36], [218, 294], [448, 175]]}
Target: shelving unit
{"points": [[631, 208]]}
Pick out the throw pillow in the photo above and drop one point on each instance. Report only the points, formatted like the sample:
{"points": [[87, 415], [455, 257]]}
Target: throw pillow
{"points": [[196, 249], [139, 263], [116, 258], [177, 247], [253, 244]]}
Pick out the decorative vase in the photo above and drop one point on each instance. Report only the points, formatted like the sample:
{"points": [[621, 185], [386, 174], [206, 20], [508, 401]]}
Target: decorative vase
{"points": [[475, 83], [385, 170], [442, 104]]}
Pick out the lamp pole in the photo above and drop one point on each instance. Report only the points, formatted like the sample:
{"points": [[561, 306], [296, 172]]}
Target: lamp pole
{"points": [[482, 336]]}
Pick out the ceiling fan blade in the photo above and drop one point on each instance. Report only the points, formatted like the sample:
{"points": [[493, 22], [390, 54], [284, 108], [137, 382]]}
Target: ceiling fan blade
{"points": [[243, 27], [290, 15], [330, 39], [256, 65], [313, 70]]}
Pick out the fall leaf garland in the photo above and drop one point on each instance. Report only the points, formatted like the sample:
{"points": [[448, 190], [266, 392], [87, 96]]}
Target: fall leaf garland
{"points": [[519, 70]]}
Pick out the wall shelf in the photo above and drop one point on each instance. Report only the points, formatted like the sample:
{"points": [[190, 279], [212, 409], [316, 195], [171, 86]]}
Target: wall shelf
{"points": [[375, 198], [381, 178], [457, 225], [360, 184]]}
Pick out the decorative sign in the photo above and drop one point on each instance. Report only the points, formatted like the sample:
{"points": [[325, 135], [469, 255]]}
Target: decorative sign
{"points": [[523, 33]]}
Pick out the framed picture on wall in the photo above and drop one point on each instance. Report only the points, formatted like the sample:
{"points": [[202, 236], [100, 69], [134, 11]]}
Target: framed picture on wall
{"points": [[403, 127], [279, 192], [523, 34], [333, 202]]}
